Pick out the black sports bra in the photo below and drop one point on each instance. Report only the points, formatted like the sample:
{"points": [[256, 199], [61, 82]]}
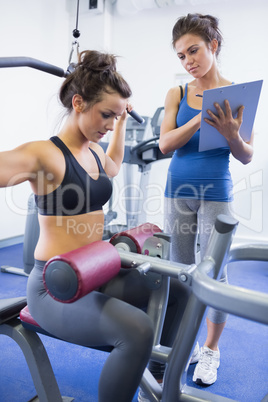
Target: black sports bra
{"points": [[78, 193]]}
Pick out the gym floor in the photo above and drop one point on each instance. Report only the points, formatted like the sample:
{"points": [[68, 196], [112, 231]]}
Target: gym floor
{"points": [[242, 375]]}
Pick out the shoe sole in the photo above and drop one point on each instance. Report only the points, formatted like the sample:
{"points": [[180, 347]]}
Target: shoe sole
{"points": [[198, 381]]}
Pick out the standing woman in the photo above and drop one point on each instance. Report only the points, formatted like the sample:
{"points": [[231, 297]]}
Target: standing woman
{"points": [[69, 174], [199, 184]]}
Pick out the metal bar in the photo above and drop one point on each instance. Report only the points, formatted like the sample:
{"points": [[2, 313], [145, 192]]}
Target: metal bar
{"points": [[248, 252], [245, 303], [33, 63], [37, 360], [133, 260]]}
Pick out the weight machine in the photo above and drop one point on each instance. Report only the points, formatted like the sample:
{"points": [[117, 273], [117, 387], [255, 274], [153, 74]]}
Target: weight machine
{"points": [[146, 249]]}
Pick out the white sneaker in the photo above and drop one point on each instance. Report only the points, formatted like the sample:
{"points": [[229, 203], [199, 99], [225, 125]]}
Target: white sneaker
{"points": [[196, 354], [206, 369]]}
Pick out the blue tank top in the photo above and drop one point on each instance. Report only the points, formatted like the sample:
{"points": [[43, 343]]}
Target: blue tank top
{"points": [[78, 193], [198, 175]]}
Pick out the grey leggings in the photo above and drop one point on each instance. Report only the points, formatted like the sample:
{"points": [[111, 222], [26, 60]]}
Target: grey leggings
{"points": [[98, 320], [107, 317], [185, 219]]}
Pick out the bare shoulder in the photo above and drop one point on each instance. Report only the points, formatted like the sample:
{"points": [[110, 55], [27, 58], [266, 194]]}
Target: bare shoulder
{"points": [[42, 148], [173, 98], [32, 149], [175, 93], [35, 145], [45, 154]]}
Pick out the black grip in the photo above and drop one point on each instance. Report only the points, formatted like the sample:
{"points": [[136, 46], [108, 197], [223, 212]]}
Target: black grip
{"points": [[33, 63], [225, 223], [136, 116]]}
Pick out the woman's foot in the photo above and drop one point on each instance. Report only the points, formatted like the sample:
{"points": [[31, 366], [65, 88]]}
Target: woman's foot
{"points": [[206, 369]]}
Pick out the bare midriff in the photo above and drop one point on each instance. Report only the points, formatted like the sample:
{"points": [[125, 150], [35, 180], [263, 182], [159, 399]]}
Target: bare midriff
{"points": [[60, 234]]}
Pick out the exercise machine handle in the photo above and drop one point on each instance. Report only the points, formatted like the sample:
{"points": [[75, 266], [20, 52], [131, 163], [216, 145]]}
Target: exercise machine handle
{"points": [[136, 116], [33, 63]]}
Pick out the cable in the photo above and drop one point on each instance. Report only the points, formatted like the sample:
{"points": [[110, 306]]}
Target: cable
{"points": [[76, 32], [75, 44]]}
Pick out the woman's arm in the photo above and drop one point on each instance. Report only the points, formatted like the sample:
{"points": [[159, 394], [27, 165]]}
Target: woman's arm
{"points": [[18, 165], [115, 151], [229, 128], [172, 138]]}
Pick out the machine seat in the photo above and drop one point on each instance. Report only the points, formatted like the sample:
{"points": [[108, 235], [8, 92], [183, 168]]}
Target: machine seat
{"points": [[10, 308], [29, 323]]}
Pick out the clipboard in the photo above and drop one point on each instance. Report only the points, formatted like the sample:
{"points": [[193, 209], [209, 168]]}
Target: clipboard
{"points": [[246, 94]]}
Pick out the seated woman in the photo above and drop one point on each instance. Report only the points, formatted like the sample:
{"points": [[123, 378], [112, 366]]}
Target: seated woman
{"points": [[69, 175]]}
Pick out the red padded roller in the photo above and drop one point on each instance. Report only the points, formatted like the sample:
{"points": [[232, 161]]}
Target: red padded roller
{"points": [[135, 238], [70, 276]]}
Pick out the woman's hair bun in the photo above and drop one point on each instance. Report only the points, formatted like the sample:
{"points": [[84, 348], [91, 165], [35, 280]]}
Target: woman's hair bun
{"points": [[94, 75], [97, 62]]}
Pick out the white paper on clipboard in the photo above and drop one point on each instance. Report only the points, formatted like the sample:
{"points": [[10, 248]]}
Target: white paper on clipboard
{"points": [[246, 94]]}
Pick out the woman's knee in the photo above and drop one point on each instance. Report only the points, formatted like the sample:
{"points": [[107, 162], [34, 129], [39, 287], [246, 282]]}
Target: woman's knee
{"points": [[143, 331], [136, 339]]}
